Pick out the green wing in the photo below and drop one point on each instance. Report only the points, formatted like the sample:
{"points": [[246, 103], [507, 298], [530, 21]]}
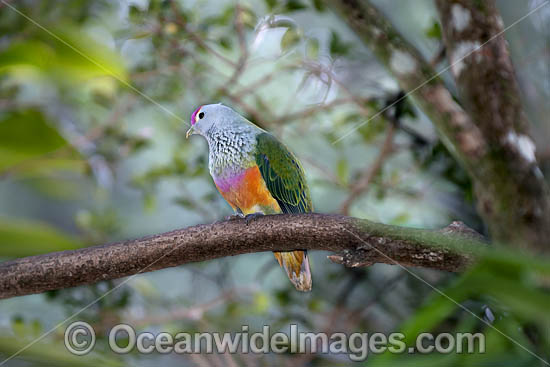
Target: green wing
{"points": [[283, 175]]}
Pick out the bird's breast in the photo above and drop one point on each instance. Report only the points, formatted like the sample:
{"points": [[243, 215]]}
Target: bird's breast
{"points": [[247, 191]]}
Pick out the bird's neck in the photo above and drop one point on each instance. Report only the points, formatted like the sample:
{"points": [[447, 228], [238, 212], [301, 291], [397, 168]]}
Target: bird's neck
{"points": [[230, 151]]}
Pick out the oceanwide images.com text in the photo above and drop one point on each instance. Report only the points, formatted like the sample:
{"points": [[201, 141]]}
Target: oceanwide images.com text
{"points": [[80, 339]]}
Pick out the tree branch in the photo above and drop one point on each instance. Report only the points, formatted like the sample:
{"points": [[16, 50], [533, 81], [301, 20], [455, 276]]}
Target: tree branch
{"points": [[489, 139], [518, 207], [360, 242]]}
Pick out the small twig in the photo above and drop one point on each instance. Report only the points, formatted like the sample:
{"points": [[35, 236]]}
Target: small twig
{"points": [[310, 111], [329, 175], [364, 181], [241, 63], [393, 116], [318, 69], [197, 39], [192, 313], [197, 204], [439, 56], [254, 86], [258, 118]]}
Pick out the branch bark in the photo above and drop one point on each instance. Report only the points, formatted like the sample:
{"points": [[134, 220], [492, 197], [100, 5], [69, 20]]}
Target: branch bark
{"points": [[511, 192], [359, 242], [489, 139]]}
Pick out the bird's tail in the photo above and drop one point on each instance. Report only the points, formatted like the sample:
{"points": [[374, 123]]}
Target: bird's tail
{"points": [[296, 265]]}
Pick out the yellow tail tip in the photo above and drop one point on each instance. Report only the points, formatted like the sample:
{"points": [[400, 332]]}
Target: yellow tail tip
{"points": [[296, 266]]}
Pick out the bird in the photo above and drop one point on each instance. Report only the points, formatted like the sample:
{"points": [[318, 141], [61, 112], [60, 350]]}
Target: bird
{"points": [[256, 174]]}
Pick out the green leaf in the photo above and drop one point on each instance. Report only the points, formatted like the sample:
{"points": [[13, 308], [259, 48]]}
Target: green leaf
{"points": [[312, 50], [294, 5], [24, 135], [135, 14], [509, 281], [342, 170], [25, 238], [261, 302], [248, 17], [185, 202], [319, 5], [373, 129], [434, 31], [224, 18], [61, 188], [225, 42], [50, 353], [337, 46], [432, 314], [271, 4], [49, 168], [70, 56], [290, 39], [401, 219]]}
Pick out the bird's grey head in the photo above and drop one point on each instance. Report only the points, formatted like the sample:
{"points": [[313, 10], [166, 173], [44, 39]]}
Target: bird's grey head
{"points": [[211, 117]]}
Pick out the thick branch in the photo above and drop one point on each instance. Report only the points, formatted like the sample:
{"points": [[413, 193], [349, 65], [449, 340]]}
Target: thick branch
{"points": [[510, 187], [361, 242], [416, 76], [491, 142]]}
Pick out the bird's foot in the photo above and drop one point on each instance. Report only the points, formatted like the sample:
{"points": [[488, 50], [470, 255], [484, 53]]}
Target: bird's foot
{"points": [[252, 217], [235, 216]]}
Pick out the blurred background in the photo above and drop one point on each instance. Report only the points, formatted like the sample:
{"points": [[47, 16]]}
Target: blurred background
{"points": [[95, 99]]}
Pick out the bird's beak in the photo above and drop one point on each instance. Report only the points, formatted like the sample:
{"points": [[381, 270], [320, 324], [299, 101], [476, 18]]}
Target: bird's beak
{"points": [[191, 131]]}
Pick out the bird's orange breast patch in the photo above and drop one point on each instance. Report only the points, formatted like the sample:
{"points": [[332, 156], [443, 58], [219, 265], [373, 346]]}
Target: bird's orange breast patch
{"points": [[248, 192]]}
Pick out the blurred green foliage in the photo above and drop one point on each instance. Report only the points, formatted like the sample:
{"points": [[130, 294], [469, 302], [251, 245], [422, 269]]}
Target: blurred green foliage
{"points": [[25, 134], [24, 238], [68, 55]]}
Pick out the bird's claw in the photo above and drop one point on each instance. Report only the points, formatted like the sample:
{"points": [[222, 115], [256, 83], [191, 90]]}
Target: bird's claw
{"points": [[235, 216], [252, 217]]}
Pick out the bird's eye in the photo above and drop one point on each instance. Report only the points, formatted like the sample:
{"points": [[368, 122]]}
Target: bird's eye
{"points": [[201, 115]]}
